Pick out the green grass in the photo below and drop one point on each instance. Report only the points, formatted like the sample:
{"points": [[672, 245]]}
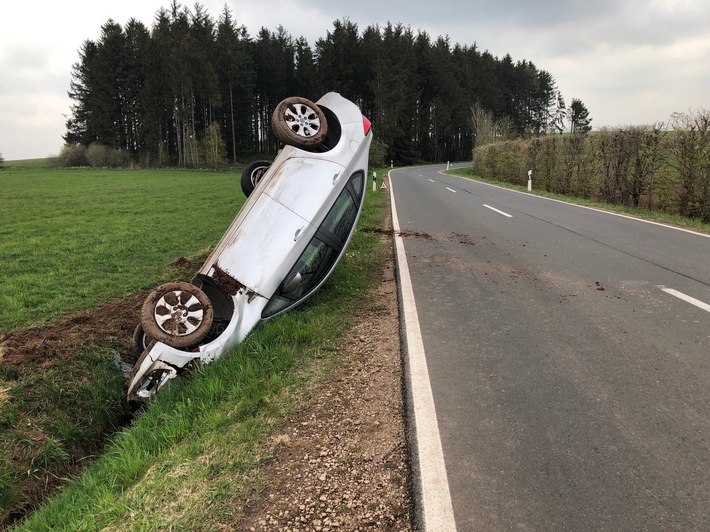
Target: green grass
{"points": [[670, 219], [187, 459], [73, 238], [28, 163]]}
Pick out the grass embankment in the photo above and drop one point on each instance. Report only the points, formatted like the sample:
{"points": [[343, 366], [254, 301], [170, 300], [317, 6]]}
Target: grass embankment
{"points": [[676, 220], [186, 459]]}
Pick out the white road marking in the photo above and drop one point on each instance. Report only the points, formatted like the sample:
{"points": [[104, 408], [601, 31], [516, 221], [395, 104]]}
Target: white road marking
{"points": [[432, 181], [585, 207], [437, 510], [686, 298], [499, 212], [451, 190]]}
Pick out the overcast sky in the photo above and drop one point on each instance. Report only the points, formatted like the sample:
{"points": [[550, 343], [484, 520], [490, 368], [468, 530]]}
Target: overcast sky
{"points": [[629, 61]]}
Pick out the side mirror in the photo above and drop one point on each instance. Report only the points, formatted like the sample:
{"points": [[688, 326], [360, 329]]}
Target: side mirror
{"points": [[292, 283]]}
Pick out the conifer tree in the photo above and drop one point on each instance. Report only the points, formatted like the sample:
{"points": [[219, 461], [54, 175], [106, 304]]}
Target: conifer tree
{"points": [[579, 117]]}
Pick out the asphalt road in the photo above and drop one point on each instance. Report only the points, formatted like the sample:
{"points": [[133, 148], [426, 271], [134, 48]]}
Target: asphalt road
{"points": [[568, 354]]}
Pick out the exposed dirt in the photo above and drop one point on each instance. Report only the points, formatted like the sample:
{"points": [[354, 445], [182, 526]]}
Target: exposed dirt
{"points": [[341, 463], [62, 338]]}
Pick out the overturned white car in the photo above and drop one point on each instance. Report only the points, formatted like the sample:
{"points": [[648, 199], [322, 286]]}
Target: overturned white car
{"points": [[283, 244]]}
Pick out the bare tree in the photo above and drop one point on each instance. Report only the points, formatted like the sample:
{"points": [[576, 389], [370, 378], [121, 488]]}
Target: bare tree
{"points": [[487, 129], [691, 151], [558, 114]]}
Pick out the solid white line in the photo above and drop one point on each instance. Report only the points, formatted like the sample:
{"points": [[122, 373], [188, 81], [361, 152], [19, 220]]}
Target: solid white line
{"points": [[620, 215], [686, 298], [499, 212], [451, 190], [437, 510]]}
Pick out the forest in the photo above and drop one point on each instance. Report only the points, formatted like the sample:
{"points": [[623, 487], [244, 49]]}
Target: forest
{"points": [[195, 92]]}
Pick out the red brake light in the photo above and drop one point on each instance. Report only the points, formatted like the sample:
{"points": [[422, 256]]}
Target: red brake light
{"points": [[366, 124]]}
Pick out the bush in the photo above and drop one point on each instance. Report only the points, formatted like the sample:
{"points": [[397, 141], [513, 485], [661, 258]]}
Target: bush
{"points": [[96, 156], [213, 148], [378, 152], [100, 156], [502, 161], [690, 146], [645, 167], [72, 155]]}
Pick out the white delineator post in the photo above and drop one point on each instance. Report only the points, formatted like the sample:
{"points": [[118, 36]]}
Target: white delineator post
{"points": [[529, 180], [374, 181]]}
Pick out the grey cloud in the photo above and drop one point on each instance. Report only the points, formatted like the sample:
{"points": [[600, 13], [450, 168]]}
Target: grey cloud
{"points": [[31, 71]]}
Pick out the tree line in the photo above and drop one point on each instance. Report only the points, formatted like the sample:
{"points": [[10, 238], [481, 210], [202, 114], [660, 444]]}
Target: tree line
{"points": [[193, 91]]}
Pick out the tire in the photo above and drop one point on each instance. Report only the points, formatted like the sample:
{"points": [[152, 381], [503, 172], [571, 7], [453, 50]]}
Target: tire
{"points": [[252, 174], [300, 123], [178, 314], [140, 341]]}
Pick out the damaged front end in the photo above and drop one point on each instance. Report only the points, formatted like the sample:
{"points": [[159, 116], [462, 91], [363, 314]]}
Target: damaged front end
{"points": [[149, 375], [185, 324]]}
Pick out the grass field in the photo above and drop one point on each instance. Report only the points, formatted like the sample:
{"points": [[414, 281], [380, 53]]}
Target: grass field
{"points": [[73, 238], [76, 239]]}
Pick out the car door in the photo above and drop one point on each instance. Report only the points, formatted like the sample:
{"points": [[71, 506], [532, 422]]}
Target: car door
{"points": [[304, 185]]}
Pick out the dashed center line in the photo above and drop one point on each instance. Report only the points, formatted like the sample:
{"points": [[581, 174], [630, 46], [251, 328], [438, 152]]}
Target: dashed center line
{"points": [[498, 211], [451, 190], [686, 298]]}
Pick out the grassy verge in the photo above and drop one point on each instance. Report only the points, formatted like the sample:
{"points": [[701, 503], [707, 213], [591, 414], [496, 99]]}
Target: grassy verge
{"points": [[185, 461], [676, 220]]}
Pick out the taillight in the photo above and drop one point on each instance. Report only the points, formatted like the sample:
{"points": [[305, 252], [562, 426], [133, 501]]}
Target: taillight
{"points": [[366, 124]]}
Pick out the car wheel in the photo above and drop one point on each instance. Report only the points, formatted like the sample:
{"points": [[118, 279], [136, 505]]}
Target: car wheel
{"points": [[300, 123], [252, 174], [178, 314]]}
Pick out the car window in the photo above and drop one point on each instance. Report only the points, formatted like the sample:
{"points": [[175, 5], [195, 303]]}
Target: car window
{"points": [[356, 182], [322, 251], [341, 217]]}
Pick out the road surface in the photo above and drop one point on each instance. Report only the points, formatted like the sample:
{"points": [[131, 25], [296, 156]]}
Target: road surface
{"points": [[568, 356]]}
